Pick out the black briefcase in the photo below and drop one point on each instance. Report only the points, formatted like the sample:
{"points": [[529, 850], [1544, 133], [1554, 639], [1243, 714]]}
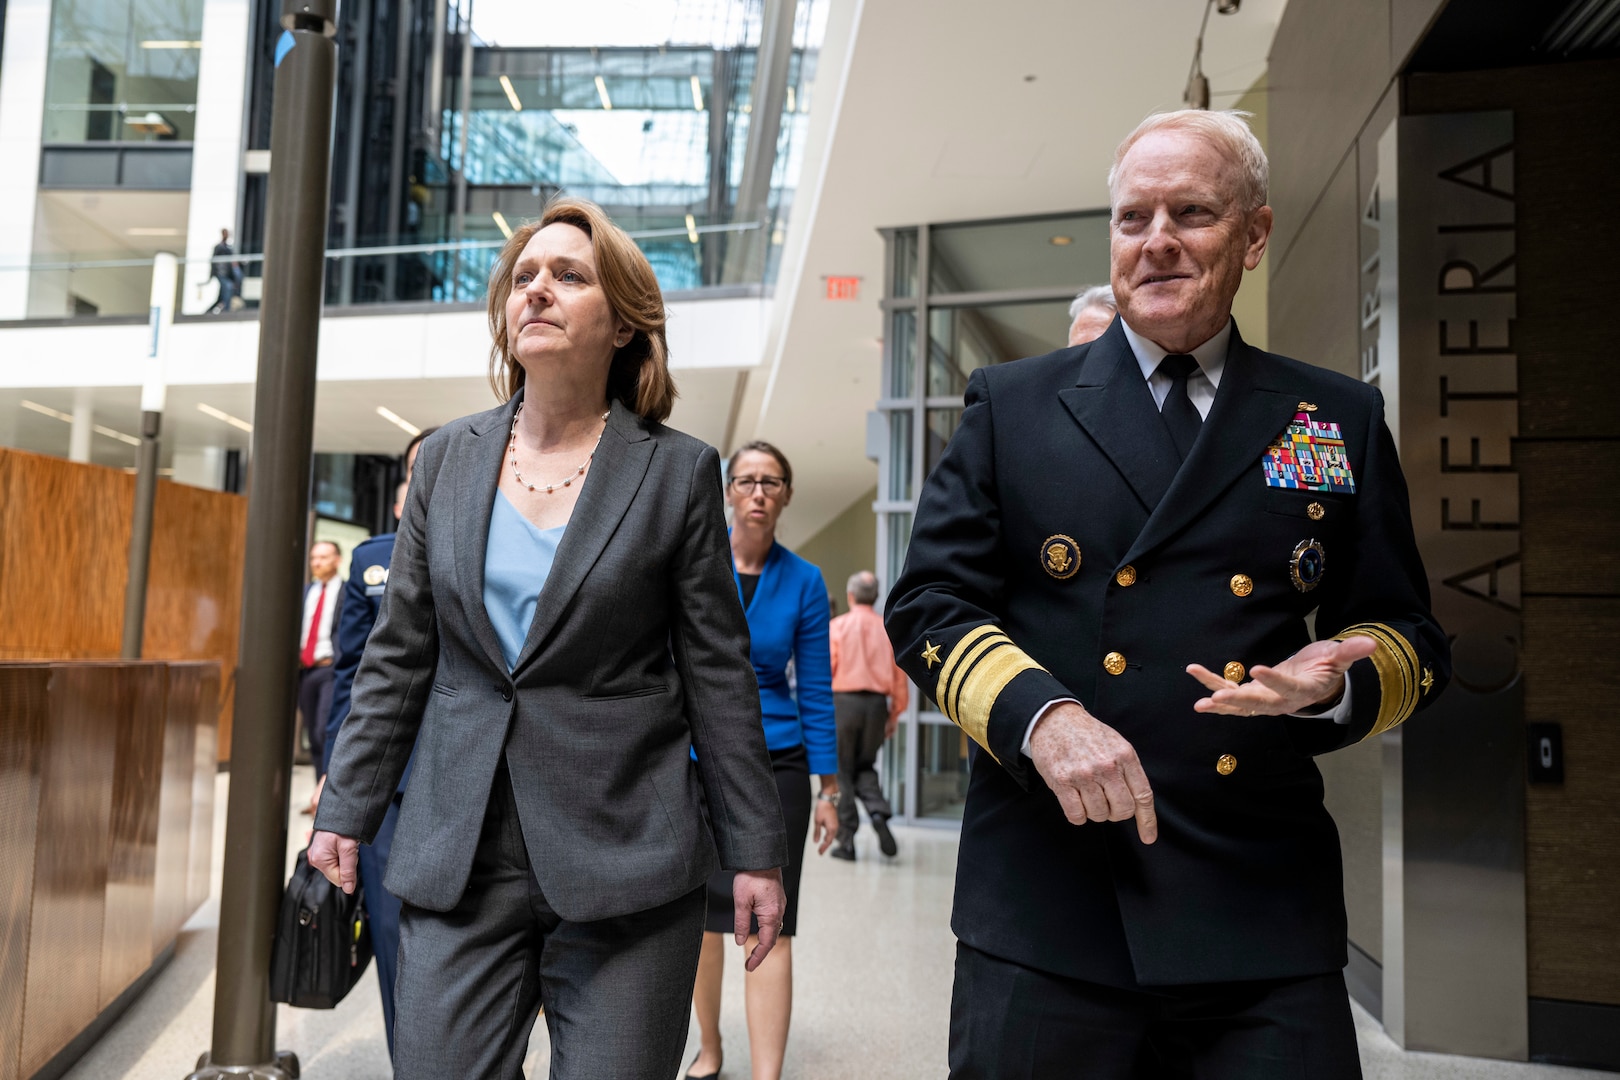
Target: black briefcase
{"points": [[323, 941]]}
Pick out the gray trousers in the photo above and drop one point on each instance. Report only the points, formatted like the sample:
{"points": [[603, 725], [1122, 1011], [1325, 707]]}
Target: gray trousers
{"points": [[861, 717], [617, 992]]}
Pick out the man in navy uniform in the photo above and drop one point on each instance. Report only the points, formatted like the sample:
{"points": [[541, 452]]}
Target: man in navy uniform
{"points": [[1152, 576], [368, 579]]}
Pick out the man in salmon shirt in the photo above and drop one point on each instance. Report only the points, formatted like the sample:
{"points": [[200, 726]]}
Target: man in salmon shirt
{"points": [[869, 694]]}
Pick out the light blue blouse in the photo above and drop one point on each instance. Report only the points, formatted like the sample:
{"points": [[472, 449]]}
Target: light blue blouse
{"points": [[516, 565]]}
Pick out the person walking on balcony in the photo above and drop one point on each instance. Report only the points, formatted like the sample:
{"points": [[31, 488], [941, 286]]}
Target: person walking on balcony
{"points": [[869, 694], [227, 273], [560, 629]]}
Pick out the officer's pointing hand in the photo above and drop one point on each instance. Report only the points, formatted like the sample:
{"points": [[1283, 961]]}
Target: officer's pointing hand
{"points": [[1092, 769], [1311, 678]]}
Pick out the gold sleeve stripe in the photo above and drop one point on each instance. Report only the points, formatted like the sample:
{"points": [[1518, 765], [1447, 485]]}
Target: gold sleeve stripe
{"points": [[974, 674], [966, 649], [1399, 674]]}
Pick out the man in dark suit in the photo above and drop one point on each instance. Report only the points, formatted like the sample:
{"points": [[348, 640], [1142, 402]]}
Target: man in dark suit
{"points": [[317, 646], [1111, 586], [362, 600]]}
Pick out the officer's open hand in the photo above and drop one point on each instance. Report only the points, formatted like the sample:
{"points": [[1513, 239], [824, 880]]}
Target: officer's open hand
{"points": [[1311, 678], [336, 857], [1092, 769]]}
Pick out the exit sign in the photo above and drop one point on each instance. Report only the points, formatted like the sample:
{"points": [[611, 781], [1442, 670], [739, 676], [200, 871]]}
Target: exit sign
{"points": [[843, 288]]}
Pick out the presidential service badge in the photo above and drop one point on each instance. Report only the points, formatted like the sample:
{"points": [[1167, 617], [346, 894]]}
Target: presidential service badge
{"points": [[1060, 556], [1309, 456], [1307, 564], [375, 575]]}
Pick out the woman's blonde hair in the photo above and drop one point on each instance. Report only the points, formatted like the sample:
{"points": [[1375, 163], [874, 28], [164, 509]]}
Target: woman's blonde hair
{"points": [[639, 376]]}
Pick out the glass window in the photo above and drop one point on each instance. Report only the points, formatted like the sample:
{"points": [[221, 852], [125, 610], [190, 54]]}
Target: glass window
{"points": [[122, 71], [963, 339], [942, 771], [942, 425], [902, 354], [1069, 251], [900, 455], [904, 281], [899, 540]]}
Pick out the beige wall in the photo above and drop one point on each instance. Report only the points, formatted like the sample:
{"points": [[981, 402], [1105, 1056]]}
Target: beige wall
{"points": [[845, 544], [1249, 307]]}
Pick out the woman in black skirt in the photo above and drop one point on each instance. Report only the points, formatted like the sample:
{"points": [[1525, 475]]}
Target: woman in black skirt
{"points": [[785, 600]]}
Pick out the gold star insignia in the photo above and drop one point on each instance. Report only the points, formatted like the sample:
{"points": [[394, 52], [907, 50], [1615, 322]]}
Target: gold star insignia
{"points": [[930, 654], [1428, 680]]}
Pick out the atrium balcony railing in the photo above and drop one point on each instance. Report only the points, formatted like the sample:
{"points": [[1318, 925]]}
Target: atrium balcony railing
{"points": [[86, 290]]}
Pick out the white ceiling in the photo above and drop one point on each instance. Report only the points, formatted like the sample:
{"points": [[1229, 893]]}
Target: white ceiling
{"points": [[97, 223], [939, 119]]}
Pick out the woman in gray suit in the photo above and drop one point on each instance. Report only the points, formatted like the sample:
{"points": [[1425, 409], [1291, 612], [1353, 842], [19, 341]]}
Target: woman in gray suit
{"points": [[560, 630]]}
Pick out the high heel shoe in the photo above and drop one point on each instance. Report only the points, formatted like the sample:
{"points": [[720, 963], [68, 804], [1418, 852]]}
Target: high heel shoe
{"points": [[706, 1076]]}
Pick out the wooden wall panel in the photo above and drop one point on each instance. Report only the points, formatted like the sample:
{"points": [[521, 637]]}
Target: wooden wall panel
{"points": [[126, 938], [1573, 829], [170, 908], [205, 725], [22, 733], [70, 861], [64, 551]]}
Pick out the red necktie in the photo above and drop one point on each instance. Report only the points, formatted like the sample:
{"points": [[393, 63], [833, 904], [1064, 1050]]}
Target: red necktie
{"points": [[307, 657]]}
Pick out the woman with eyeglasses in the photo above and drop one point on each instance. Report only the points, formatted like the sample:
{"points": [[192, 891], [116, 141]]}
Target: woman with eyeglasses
{"points": [[785, 600]]}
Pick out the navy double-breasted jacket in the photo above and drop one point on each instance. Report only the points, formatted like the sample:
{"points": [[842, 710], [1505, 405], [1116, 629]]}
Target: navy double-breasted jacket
{"points": [[1060, 549]]}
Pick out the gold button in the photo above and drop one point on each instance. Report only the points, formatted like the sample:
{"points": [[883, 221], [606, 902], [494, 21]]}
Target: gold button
{"points": [[1114, 663], [1315, 512], [1226, 765], [1126, 576], [1242, 584], [1234, 672]]}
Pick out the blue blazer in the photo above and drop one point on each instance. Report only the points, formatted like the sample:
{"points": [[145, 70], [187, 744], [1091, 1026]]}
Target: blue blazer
{"points": [[787, 622]]}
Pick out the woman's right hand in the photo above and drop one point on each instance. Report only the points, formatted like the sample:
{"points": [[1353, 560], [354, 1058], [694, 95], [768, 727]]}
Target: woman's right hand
{"points": [[335, 856]]}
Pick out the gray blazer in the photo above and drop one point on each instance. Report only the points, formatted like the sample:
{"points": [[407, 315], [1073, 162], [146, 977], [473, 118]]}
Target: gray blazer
{"points": [[638, 653]]}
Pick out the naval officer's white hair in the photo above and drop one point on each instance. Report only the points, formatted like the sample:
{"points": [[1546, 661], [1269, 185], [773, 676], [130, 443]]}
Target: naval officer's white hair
{"points": [[1100, 296], [1228, 129]]}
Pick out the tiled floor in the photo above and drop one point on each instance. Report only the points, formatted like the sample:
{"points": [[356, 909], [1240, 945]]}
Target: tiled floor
{"points": [[873, 985]]}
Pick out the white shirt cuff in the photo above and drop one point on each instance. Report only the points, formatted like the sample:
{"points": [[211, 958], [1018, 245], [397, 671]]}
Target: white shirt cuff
{"points": [[1340, 713], [1042, 711]]}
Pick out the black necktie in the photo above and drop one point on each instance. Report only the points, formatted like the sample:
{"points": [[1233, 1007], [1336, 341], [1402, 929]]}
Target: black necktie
{"points": [[1180, 414]]}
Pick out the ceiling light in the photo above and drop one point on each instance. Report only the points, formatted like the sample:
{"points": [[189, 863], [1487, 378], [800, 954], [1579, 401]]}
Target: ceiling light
{"points": [[1061, 241], [747, 109], [1228, 7], [67, 418], [46, 410], [691, 228], [511, 94], [601, 92], [221, 414], [111, 434], [791, 105], [398, 421], [150, 123], [153, 230], [500, 223], [697, 94], [170, 44]]}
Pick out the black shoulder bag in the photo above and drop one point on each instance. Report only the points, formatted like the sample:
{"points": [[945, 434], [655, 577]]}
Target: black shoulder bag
{"points": [[323, 941]]}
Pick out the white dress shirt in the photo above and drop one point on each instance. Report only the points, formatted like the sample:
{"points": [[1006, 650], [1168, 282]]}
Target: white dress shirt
{"points": [[1201, 388], [323, 635]]}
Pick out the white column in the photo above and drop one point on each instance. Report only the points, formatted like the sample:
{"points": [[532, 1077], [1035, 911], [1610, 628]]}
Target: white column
{"points": [[22, 120], [216, 152], [84, 419]]}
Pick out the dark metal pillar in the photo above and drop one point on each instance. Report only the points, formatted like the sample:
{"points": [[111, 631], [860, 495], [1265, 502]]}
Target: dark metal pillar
{"points": [[283, 436], [154, 388]]}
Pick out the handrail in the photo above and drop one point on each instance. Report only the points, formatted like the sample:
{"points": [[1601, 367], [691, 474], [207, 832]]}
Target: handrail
{"points": [[392, 249]]}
